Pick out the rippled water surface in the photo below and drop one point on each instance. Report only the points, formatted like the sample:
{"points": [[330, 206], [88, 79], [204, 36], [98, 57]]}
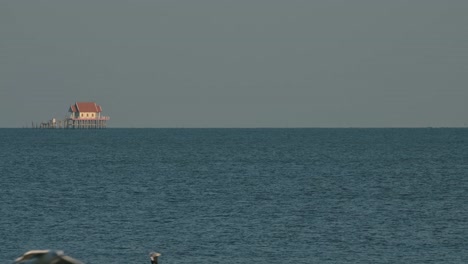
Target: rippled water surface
{"points": [[236, 195]]}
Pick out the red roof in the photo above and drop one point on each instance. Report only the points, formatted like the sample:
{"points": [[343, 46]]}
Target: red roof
{"points": [[85, 107]]}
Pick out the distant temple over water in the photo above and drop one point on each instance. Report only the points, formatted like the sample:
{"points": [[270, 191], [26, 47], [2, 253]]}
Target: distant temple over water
{"points": [[82, 115], [86, 115]]}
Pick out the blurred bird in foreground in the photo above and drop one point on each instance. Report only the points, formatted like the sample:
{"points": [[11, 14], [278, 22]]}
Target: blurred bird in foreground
{"points": [[58, 257], [46, 257], [154, 257]]}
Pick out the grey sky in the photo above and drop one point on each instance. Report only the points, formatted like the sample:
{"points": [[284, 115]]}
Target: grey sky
{"points": [[242, 63]]}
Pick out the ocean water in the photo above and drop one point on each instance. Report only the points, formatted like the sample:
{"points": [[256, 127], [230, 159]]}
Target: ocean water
{"points": [[236, 195]]}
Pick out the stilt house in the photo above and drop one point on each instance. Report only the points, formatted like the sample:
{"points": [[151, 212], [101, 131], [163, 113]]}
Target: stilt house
{"points": [[86, 115]]}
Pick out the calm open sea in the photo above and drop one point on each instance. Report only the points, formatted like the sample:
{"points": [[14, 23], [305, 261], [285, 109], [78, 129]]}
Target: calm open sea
{"points": [[236, 195]]}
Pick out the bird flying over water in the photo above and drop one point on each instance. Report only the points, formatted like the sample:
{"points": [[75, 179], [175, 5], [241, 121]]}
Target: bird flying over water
{"points": [[46, 257], [58, 257], [154, 257]]}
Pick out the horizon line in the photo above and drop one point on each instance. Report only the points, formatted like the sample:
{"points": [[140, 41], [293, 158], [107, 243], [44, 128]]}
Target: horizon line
{"points": [[260, 127]]}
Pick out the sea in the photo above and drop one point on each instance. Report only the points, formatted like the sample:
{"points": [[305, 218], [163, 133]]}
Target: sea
{"points": [[312, 195]]}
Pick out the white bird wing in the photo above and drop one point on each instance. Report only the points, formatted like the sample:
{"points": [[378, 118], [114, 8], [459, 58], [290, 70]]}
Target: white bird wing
{"points": [[32, 254]]}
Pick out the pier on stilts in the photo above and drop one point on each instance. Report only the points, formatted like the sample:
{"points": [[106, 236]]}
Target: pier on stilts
{"points": [[100, 122]]}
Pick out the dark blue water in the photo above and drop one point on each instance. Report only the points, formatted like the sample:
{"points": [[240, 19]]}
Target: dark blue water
{"points": [[236, 195]]}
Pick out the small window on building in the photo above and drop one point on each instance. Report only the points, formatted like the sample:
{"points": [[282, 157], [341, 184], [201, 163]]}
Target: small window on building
{"points": [[87, 115], [92, 115], [81, 115]]}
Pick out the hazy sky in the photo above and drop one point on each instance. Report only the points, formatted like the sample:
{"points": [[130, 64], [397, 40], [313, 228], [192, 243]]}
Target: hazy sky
{"points": [[237, 63]]}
